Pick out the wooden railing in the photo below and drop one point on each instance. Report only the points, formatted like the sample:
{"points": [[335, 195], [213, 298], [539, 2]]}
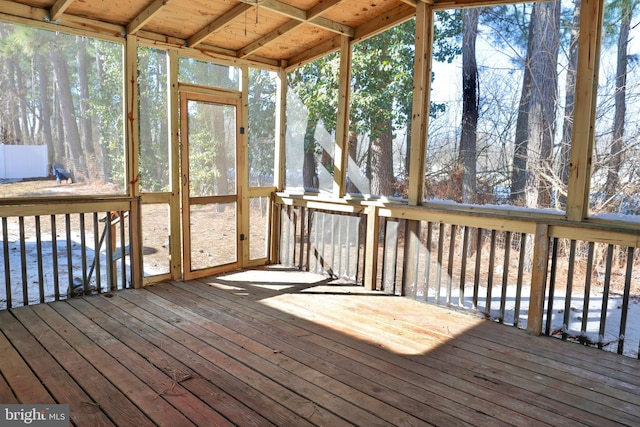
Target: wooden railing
{"points": [[57, 249], [323, 239], [536, 272]]}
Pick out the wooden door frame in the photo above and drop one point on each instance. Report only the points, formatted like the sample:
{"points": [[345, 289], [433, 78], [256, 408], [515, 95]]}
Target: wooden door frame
{"points": [[220, 97]]}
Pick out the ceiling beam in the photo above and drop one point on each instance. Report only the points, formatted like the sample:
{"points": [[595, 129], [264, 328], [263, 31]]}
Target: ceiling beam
{"points": [[382, 23], [322, 7], [58, 9], [269, 38], [302, 16], [217, 24], [139, 21], [313, 14]]}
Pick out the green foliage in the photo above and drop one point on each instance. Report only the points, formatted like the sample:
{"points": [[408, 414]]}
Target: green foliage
{"points": [[262, 120]]}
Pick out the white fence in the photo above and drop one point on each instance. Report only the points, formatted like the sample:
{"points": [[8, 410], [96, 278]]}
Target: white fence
{"points": [[23, 161]]}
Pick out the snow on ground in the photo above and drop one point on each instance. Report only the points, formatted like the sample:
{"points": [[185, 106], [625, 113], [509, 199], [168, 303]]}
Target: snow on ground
{"points": [[573, 328]]}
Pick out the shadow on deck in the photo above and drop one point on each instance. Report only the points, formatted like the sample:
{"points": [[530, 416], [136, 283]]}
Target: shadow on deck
{"points": [[272, 347]]}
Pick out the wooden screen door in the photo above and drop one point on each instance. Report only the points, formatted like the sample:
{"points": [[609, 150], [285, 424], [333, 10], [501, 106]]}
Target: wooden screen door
{"points": [[210, 194]]}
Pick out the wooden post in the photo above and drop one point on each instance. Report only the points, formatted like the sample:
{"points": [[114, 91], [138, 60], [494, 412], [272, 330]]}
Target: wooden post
{"points": [[371, 249], [132, 133], [242, 149], [278, 165], [135, 244], [584, 110], [420, 109], [538, 279], [175, 232], [419, 126], [341, 155]]}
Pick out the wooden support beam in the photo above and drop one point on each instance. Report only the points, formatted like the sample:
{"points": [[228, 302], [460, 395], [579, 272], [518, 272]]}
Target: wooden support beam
{"points": [[302, 16], [420, 108], [132, 131], [538, 279], [589, 41], [58, 9], [371, 249], [218, 24], [378, 25], [341, 155], [281, 130], [175, 231], [322, 7], [145, 16], [269, 38], [242, 154]]}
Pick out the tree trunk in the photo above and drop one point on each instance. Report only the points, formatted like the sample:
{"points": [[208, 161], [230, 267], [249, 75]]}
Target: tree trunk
{"points": [[543, 63], [45, 106], [567, 127], [382, 178], [615, 161], [68, 112], [467, 158], [83, 82], [309, 163]]}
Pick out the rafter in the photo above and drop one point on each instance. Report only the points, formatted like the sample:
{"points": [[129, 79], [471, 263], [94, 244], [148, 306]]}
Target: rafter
{"points": [[58, 8], [219, 23], [302, 16], [322, 7], [269, 38], [139, 21]]}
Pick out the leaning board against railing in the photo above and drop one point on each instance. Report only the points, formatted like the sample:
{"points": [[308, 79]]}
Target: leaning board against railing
{"points": [[56, 250]]}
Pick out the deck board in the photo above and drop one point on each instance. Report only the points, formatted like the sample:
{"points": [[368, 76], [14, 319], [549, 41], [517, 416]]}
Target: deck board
{"points": [[268, 348]]}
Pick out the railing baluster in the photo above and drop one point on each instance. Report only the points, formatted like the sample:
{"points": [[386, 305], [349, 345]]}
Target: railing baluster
{"points": [[492, 261], [7, 262], [23, 260], [83, 253], [96, 252], [427, 262], [587, 290], [505, 275], [605, 297], [310, 214], [54, 256], [625, 300], [463, 267], [552, 285], [123, 251], [67, 224], [439, 265], [111, 285], [452, 246], [521, 261], [40, 260], [476, 276], [567, 301]]}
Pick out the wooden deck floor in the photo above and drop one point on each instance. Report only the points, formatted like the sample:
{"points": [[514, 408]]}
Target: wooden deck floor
{"points": [[267, 348]]}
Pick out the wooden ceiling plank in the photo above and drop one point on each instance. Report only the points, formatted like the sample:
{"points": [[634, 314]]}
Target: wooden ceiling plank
{"points": [[58, 8], [217, 24], [410, 2], [269, 38], [139, 21]]}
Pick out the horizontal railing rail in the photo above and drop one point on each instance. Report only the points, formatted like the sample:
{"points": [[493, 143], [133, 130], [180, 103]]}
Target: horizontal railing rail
{"points": [[573, 281], [52, 250]]}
